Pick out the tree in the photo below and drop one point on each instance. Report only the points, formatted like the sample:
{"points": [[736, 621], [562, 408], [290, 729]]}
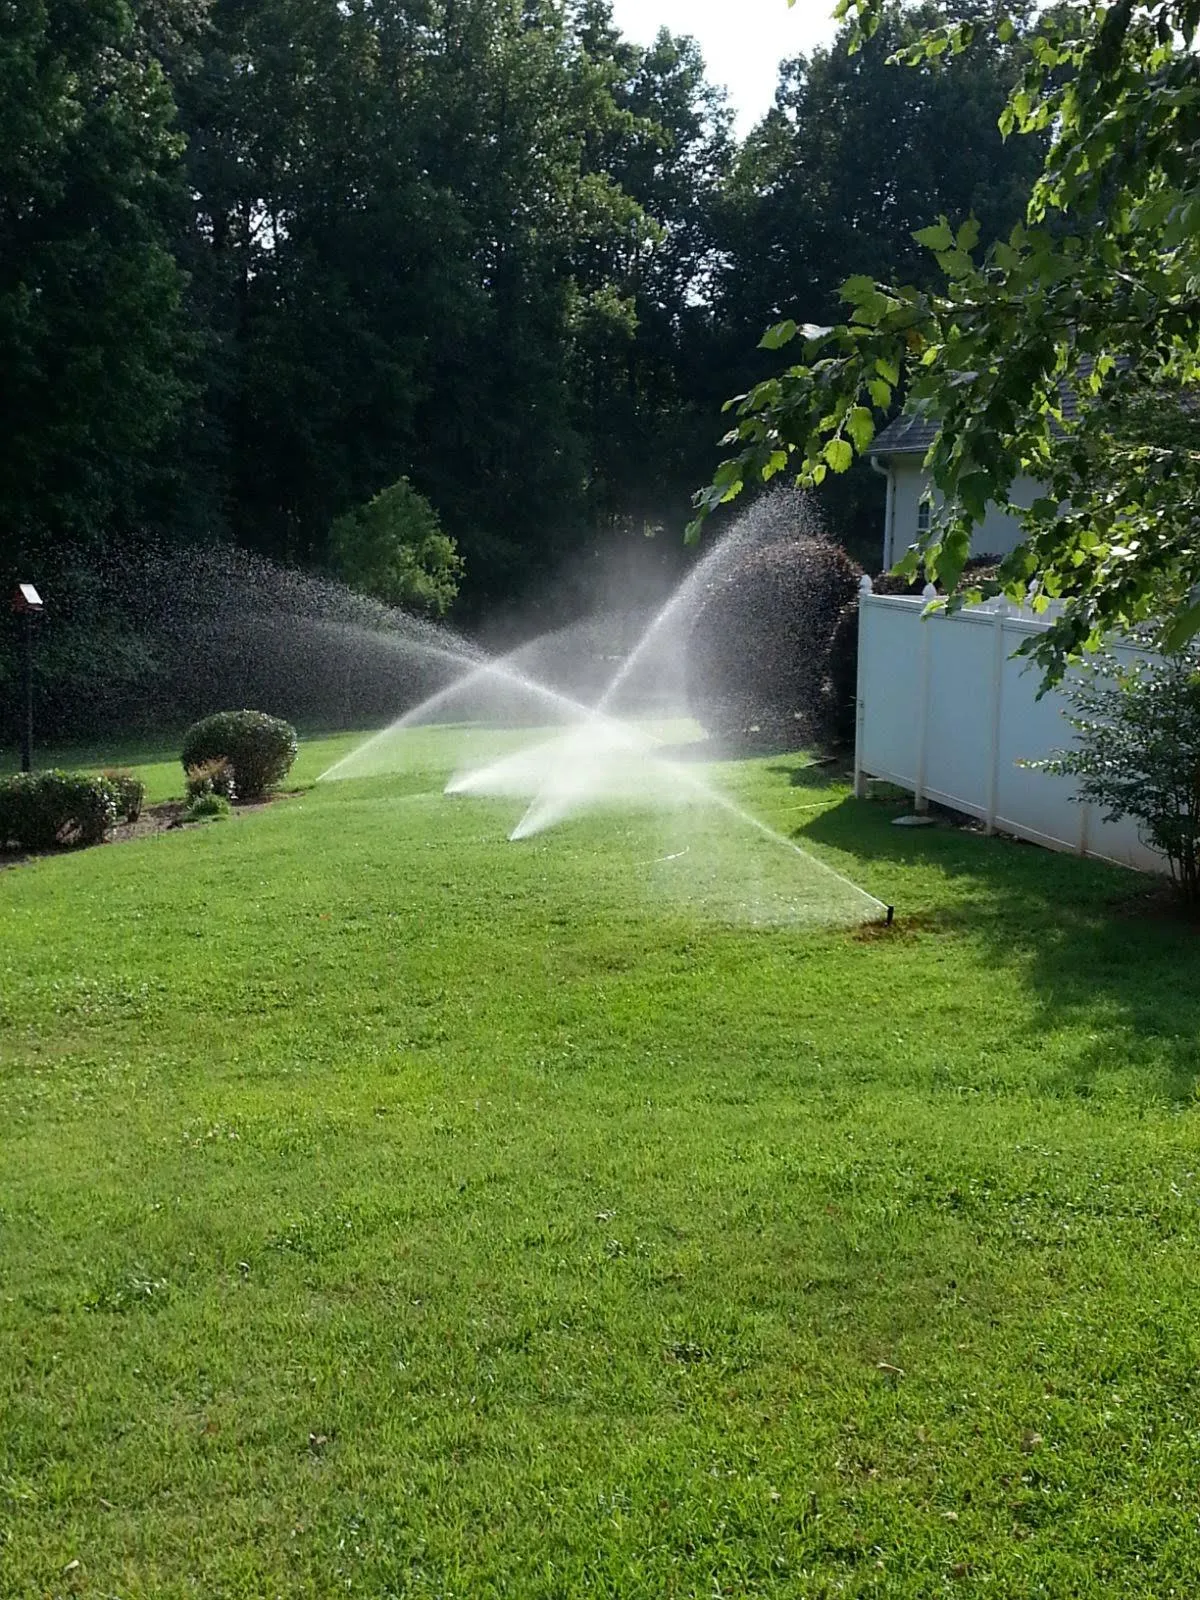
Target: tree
{"points": [[92, 341], [853, 157], [1038, 354], [394, 549], [402, 251]]}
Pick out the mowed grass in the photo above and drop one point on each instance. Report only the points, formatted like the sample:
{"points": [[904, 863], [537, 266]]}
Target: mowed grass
{"points": [[389, 1210]]}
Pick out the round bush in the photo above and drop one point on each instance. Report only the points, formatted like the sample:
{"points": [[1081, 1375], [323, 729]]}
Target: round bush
{"points": [[760, 655], [259, 748], [40, 810]]}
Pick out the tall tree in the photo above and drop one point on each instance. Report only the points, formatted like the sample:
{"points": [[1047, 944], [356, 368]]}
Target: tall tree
{"points": [[836, 177], [400, 244], [92, 341], [653, 415], [1095, 296]]}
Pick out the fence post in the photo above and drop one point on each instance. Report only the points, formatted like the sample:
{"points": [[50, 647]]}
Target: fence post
{"points": [[920, 804], [999, 612], [860, 704]]}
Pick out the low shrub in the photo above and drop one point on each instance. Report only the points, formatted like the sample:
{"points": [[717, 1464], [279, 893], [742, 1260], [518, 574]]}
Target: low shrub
{"points": [[212, 777], [207, 808], [40, 810], [259, 748], [129, 792], [1137, 754]]}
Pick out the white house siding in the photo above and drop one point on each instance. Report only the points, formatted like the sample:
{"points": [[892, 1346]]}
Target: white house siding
{"points": [[996, 535]]}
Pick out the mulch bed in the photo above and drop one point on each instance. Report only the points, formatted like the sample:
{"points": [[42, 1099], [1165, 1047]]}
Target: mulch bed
{"points": [[153, 820]]}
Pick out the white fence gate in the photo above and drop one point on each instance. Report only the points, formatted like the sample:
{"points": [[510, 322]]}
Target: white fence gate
{"points": [[945, 710]]}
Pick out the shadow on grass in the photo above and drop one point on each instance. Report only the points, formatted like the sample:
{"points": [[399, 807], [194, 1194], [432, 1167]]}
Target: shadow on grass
{"points": [[1093, 942]]}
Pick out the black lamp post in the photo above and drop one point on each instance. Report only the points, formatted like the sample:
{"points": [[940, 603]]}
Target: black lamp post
{"points": [[27, 603]]}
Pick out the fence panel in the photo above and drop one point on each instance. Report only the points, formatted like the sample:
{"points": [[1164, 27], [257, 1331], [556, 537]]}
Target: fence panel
{"points": [[947, 711]]}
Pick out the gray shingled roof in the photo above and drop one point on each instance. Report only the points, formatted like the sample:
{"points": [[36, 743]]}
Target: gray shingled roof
{"points": [[909, 435], [905, 436]]}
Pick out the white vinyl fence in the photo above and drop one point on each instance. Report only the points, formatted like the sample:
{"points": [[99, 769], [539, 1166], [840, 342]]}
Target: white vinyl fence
{"points": [[945, 710]]}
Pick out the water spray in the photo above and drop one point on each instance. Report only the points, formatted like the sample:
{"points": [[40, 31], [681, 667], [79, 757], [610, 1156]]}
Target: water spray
{"points": [[582, 754]]}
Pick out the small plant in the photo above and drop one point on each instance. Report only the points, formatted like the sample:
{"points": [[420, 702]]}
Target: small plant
{"points": [[1137, 754], [212, 777], [260, 749], [40, 810], [129, 791], [208, 807]]}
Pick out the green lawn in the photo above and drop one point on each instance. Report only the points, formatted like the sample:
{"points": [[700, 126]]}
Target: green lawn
{"points": [[389, 1210]]}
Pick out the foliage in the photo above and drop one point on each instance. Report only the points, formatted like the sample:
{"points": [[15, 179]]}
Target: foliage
{"points": [[92, 340], [1137, 753], [1089, 301], [258, 747], [207, 807], [211, 777], [42, 810], [129, 792], [760, 652], [260, 259], [394, 549]]}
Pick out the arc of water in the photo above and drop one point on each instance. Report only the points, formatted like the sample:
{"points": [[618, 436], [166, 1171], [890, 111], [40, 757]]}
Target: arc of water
{"points": [[535, 819], [683, 595], [500, 667]]}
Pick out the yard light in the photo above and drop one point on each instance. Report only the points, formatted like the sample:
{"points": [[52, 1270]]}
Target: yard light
{"points": [[27, 603]]}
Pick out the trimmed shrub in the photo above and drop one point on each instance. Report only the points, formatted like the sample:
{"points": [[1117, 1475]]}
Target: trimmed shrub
{"points": [[212, 777], [1137, 753], [129, 792], [259, 748], [760, 656], [208, 807], [41, 810]]}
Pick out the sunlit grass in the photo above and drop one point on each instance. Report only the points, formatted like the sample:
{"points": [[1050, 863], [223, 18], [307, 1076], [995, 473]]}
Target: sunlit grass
{"points": [[386, 1209]]}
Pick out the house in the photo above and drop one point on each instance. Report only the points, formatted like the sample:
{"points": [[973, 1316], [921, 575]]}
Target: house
{"points": [[898, 453]]}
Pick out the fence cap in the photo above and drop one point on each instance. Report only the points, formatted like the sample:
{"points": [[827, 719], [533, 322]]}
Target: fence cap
{"points": [[865, 586], [27, 600]]}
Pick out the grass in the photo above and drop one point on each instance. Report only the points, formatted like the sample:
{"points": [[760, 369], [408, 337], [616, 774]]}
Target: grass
{"points": [[389, 1210]]}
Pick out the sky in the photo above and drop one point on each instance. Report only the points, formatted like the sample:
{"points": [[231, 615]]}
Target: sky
{"points": [[743, 40]]}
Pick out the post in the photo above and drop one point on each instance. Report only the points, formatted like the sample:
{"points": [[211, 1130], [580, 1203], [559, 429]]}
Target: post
{"points": [[860, 705], [999, 612], [27, 730], [27, 603], [920, 804]]}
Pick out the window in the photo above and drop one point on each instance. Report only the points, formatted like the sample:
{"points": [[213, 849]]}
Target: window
{"points": [[924, 515]]}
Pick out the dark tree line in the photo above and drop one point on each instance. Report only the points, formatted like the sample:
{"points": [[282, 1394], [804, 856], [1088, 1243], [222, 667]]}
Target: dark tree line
{"points": [[259, 259]]}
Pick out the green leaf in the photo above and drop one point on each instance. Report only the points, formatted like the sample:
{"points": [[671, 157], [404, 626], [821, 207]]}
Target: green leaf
{"points": [[937, 237], [881, 393], [855, 291], [838, 454], [1182, 628], [861, 426], [775, 338]]}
